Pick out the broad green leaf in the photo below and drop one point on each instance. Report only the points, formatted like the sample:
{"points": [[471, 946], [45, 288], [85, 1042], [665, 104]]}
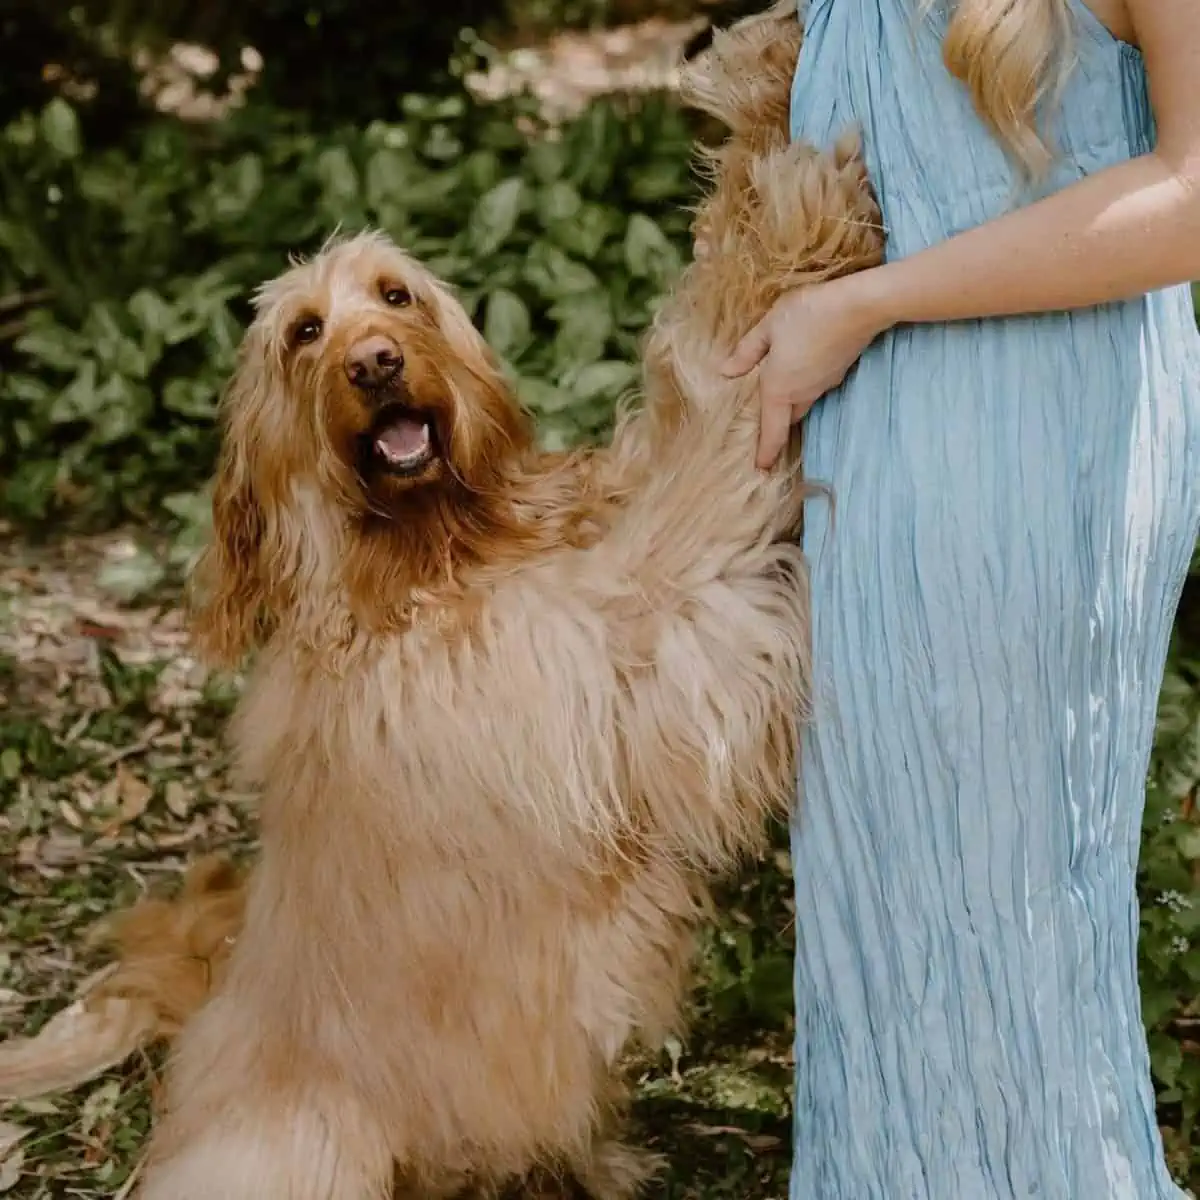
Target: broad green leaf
{"points": [[558, 202], [1187, 921], [594, 145], [599, 379], [548, 160], [648, 252], [224, 335], [194, 508], [154, 315], [387, 175], [557, 433], [10, 763], [447, 108], [54, 345], [495, 216], [193, 511], [656, 182], [60, 128], [506, 324], [113, 347], [29, 489], [79, 399], [338, 176], [121, 410], [554, 275], [442, 145], [585, 324], [131, 576], [1168, 1058], [18, 388], [238, 187], [193, 398], [1189, 845], [432, 192], [584, 236], [482, 170], [543, 398]]}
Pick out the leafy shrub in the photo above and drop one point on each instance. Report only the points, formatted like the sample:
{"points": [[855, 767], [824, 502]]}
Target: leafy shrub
{"points": [[1169, 878], [559, 246]]}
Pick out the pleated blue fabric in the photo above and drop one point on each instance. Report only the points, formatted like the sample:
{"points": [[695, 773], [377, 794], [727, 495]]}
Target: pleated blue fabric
{"points": [[993, 593]]}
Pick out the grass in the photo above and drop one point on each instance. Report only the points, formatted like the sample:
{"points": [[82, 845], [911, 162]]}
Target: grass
{"points": [[113, 777]]}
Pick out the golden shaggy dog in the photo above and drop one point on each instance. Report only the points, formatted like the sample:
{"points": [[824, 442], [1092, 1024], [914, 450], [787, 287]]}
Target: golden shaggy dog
{"points": [[509, 712]]}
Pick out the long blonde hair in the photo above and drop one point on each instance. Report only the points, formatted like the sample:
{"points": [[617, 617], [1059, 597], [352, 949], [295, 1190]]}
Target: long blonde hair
{"points": [[1011, 55]]}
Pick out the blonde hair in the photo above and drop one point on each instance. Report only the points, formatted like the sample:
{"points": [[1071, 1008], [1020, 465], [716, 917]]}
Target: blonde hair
{"points": [[1011, 55]]}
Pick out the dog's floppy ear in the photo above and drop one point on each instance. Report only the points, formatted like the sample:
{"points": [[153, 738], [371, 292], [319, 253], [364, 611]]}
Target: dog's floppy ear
{"points": [[228, 586], [496, 427]]}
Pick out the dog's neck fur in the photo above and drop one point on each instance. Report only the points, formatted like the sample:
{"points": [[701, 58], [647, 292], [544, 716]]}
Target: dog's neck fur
{"points": [[372, 575]]}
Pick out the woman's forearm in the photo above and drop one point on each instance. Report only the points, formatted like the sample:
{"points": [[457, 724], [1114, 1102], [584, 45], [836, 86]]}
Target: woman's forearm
{"points": [[1127, 230]]}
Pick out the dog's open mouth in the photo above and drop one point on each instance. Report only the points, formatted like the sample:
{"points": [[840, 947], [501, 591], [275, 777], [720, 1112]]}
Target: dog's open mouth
{"points": [[402, 440]]}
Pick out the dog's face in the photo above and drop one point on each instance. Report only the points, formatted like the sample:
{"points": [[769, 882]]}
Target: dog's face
{"points": [[362, 345], [383, 371], [365, 404]]}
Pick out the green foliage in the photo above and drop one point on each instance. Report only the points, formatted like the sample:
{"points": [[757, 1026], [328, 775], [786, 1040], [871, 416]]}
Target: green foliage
{"points": [[1170, 894], [559, 247]]}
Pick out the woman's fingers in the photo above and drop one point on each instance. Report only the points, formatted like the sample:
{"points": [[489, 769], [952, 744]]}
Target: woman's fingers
{"points": [[774, 429], [778, 409], [749, 352]]}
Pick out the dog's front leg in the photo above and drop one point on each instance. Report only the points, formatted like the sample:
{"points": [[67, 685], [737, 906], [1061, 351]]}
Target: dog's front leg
{"points": [[242, 1125]]}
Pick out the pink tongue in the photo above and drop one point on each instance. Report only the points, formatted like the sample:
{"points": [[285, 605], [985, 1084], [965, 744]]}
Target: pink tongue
{"points": [[402, 439]]}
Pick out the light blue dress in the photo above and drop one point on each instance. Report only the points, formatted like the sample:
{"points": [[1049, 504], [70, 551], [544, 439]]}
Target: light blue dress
{"points": [[1016, 505]]}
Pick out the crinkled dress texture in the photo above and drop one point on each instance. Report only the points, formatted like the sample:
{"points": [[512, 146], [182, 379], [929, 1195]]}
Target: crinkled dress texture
{"points": [[1016, 505]]}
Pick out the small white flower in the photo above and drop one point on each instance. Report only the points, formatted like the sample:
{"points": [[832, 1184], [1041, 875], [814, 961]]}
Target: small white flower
{"points": [[1175, 901]]}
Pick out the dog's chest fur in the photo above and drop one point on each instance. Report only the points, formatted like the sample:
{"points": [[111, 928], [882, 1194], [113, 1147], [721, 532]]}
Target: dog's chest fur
{"points": [[425, 847]]}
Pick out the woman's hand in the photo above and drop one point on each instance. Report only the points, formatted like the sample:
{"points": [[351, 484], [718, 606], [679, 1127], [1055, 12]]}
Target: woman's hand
{"points": [[805, 345]]}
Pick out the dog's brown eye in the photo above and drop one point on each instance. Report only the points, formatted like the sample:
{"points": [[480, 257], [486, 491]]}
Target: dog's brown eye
{"points": [[397, 297], [307, 331]]}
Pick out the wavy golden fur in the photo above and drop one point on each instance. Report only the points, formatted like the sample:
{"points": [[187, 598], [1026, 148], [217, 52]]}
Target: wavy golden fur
{"points": [[509, 712], [171, 954]]}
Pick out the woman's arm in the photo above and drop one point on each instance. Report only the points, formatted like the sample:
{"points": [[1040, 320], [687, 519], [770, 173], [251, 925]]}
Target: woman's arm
{"points": [[1126, 230], [1123, 231]]}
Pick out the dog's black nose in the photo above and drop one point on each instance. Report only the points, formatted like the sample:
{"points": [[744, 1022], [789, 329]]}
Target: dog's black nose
{"points": [[373, 361]]}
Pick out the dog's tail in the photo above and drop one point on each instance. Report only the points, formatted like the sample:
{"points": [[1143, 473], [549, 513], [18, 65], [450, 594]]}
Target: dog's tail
{"points": [[171, 953], [75, 1046]]}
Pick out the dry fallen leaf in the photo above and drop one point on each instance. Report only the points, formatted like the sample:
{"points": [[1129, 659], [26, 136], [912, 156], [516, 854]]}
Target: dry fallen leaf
{"points": [[135, 794], [11, 1169], [10, 1135], [70, 815], [39, 1106], [755, 1141], [178, 799], [12, 1157]]}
